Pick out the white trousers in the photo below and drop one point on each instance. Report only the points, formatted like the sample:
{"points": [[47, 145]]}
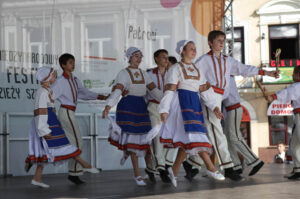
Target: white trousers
{"points": [[216, 137], [295, 143], [160, 156], [236, 142], [71, 128]]}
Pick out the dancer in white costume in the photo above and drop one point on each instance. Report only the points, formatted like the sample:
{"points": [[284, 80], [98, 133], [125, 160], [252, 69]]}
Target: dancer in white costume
{"points": [[162, 158], [217, 69], [181, 111], [131, 133], [291, 94], [236, 142], [67, 90], [47, 140]]}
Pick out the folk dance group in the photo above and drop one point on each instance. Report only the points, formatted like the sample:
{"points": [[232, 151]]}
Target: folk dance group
{"points": [[161, 110]]}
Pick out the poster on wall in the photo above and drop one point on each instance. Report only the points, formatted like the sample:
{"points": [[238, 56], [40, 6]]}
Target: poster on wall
{"points": [[17, 78], [286, 76]]}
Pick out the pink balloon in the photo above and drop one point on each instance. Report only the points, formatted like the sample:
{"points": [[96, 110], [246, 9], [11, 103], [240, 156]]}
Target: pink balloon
{"points": [[170, 3]]}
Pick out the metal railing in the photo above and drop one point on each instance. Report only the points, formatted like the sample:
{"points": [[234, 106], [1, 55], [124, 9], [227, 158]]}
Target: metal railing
{"points": [[6, 138]]}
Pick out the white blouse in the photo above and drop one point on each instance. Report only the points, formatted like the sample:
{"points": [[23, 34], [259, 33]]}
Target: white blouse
{"points": [[42, 101], [218, 71], [290, 94], [187, 77], [158, 79], [137, 82], [232, 94], [68, 89]]}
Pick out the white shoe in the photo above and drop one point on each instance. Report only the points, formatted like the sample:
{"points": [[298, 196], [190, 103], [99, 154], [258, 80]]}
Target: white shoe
{"points": [[39, 184], [91, 170], [215, 175], [139, 181], [172, 176]]}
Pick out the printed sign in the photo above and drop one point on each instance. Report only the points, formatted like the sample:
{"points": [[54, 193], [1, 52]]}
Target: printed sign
{"points": [[285, 77], [278, 109]]}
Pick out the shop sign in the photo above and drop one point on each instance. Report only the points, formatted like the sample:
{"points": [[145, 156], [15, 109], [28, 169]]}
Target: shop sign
{"points": [[279, 109]]}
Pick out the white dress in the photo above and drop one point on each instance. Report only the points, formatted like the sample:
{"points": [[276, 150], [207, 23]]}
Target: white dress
{"points": [[54, 148], [175, 132], [132, 130]]}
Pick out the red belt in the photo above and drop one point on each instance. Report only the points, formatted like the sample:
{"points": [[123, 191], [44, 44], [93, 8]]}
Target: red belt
{"points": [[232, 107], [154, 101], [72, 108], [218, 90], [296, 110]]}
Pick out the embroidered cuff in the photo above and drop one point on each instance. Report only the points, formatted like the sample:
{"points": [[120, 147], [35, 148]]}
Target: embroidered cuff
{"points": [[261, 72], [102, 97]]}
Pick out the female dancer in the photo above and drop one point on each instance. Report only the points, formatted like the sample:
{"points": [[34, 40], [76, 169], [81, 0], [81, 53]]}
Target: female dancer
{"points": [[47, 140], [132, 116], [182, 114]]}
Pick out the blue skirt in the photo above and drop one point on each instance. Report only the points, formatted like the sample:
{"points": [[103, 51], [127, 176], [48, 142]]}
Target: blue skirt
{"points": [[191, 110], [132, 115]]}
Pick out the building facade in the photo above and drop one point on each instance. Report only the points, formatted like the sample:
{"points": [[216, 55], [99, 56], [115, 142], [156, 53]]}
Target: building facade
{"points": [[262, 26]]}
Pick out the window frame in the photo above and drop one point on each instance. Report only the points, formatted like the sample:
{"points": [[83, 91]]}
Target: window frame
{"points": [[285, 129], [242, 41], [297, 37]]}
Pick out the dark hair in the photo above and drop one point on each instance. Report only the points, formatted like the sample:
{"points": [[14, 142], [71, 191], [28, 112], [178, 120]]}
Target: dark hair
{"points": [[158, 52], [212, 35], [297, 70], [172, 59], [63, 59]]}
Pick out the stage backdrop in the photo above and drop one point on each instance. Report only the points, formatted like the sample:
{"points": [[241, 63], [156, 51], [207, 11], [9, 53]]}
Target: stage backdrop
{"points": [[34, 33]]}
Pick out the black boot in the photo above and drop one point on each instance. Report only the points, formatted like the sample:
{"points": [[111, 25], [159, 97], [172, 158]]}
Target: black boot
{"points": [[239, 171], [151, 176], [256, 168], [231, 174], [28, 165], [194, 172], [164, 176], [295, 176], [188, 170], [75, 180]]}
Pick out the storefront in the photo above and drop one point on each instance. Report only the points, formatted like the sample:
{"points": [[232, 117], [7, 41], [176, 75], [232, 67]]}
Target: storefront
{"points": [[260, 30]]}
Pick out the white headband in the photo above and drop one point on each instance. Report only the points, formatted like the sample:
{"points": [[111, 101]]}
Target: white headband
{"points": [[130, 51], [181, 44], [44, 73]]}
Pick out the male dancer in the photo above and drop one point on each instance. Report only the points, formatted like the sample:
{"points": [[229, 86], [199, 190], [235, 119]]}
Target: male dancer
{"points": [[217, 69], [236, 142], [67, 90], [162, 158]]}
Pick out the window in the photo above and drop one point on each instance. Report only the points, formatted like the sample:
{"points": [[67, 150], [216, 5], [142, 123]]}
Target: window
{"points": [[238, 48], [239, 54], [100, 40], [285, 37], [280, 129], [163, 37]]}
